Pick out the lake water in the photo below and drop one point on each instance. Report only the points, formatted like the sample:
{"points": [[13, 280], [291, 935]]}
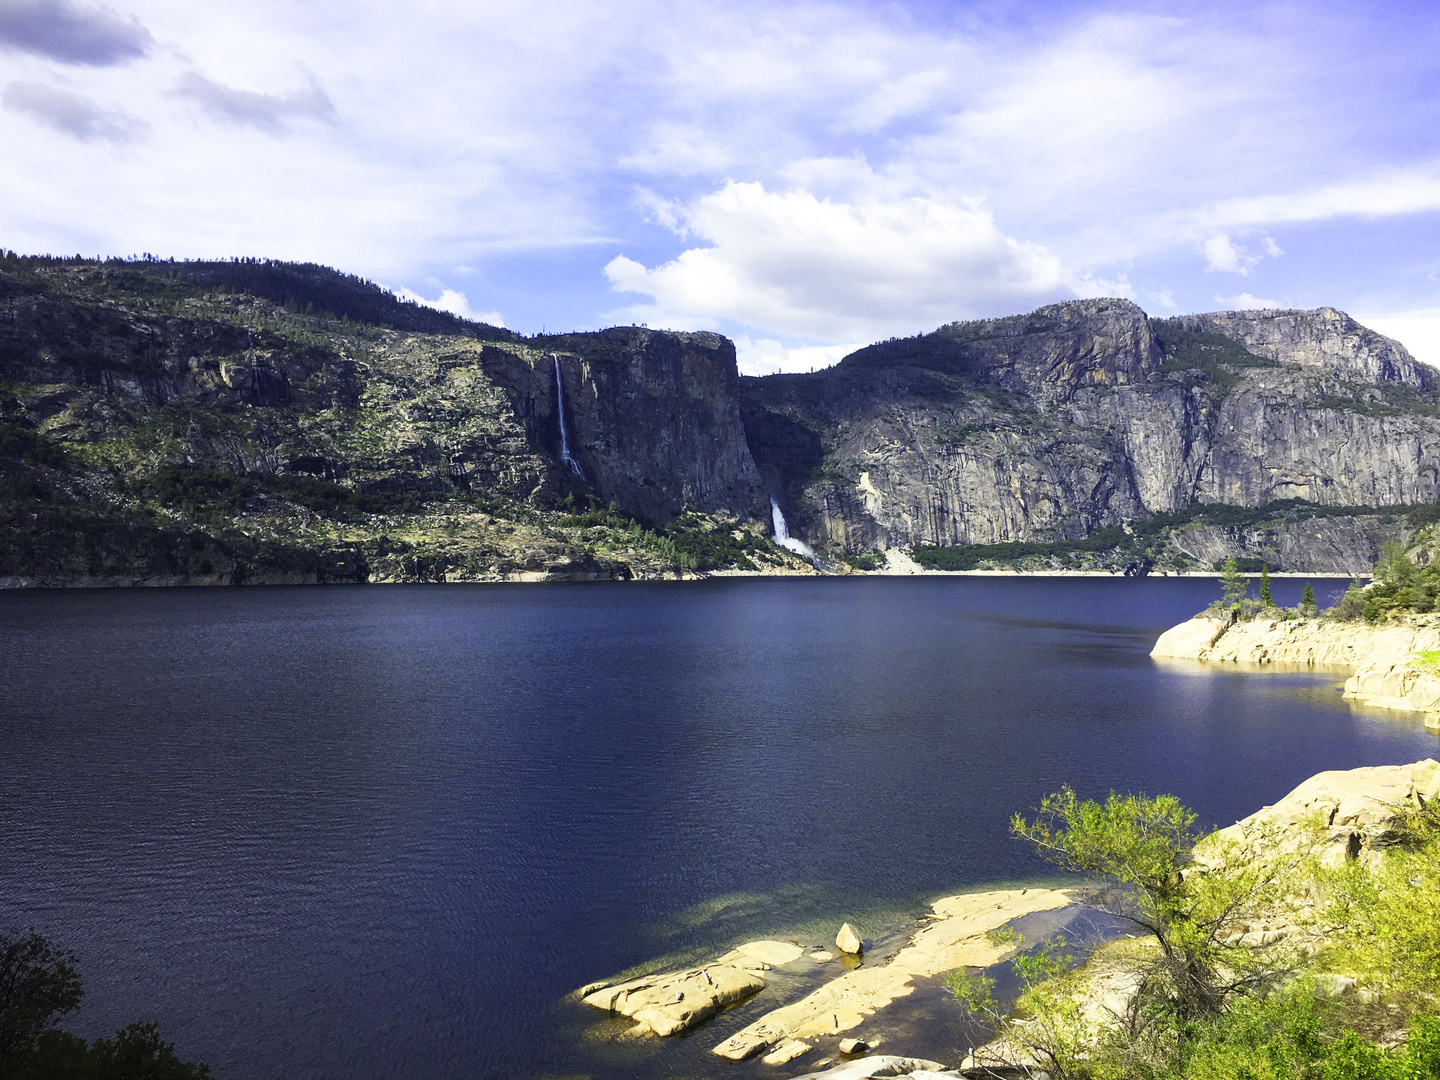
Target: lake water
{"points": [[379, 832]]}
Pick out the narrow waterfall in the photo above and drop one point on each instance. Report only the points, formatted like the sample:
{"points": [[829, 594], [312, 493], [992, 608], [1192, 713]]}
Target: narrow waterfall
{"points": [[565, 455], [782, 534]]}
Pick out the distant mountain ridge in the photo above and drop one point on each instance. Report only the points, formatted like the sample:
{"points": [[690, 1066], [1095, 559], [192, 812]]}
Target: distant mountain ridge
{"points": [[1087, 414], [263, 421]]}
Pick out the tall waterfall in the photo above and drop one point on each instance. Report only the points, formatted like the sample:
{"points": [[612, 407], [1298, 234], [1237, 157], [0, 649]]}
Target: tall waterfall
{"points": [[565, 455], [782, 534]]}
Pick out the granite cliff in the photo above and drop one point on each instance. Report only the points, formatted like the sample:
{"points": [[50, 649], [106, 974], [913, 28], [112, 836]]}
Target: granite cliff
{"points": [[255, 421], [211, 423], [1087, 415]]}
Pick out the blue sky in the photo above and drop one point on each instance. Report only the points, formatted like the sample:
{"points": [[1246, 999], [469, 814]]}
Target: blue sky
{"points": [[803, 177]]}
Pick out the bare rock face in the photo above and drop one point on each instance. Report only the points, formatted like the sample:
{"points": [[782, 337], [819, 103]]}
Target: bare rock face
{"points": [[653, 417], [1090, 414], [1321, 339]]}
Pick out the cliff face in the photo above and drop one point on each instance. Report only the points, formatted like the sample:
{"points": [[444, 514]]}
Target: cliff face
{"points": [[157, 427], [652, 418], [1090, 414], [216, 422]]}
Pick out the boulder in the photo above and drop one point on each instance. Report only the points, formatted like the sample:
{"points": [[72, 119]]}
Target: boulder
{"points": [[848, 940], [853, 1046], [1188, 639]]}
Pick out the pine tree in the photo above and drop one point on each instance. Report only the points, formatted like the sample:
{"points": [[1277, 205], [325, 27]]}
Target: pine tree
{"points": [[1233, 583], [1307, 600], [1266, 597]]}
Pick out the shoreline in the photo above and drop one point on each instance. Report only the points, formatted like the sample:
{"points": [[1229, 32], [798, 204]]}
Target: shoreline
{"points": [[20, 584], [1386, 671]]}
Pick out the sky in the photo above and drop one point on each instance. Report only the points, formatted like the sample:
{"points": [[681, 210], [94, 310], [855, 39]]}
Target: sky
{"points": [[803, 177]]}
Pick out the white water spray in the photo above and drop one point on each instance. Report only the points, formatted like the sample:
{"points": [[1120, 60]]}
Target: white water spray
{"points": [[565, 455], [782, 534]]}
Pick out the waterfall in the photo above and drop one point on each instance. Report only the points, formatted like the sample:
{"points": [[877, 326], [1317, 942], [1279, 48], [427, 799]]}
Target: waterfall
{"points": [[565, 455], [782, 534]]}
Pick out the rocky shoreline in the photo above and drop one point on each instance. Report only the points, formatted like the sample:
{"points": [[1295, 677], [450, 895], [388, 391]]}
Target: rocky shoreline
{"points": [[1389, 665], [831, 1031]]}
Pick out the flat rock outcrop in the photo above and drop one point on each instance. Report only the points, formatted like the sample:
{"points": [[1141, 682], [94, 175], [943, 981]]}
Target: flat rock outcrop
{"points": [[955, 938], [673, 1002]]}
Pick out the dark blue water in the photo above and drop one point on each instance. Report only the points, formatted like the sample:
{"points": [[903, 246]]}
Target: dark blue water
{"points": [[380, 832]]}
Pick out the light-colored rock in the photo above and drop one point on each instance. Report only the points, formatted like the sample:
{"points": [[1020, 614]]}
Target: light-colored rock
{"points": [[1190, 638], [1388, 682], [1387, 673], [1302, 641], [674, 1002], [1357, 808], [956, 940], [1335, 985], [762, 954], [787, 1051], [848, 940], [853, 1046], [885, 1065], [820, 956]]}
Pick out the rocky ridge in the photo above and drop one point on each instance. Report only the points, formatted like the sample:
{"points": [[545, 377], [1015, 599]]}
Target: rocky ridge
{"points": [[1090, 414], [165, 423]]}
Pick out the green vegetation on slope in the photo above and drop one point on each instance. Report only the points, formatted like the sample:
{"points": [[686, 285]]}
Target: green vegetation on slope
{"points": [[1221, 359], [1200, 1001]]}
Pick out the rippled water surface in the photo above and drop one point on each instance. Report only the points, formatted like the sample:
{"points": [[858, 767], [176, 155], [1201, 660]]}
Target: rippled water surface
{"points": [[380, 832]]}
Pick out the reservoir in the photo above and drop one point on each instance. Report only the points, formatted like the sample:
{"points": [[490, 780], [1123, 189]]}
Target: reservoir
{"points": [[381, 832]]}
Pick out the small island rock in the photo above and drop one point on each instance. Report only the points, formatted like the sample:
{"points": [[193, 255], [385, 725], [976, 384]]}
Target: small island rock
{"points": [[848, 940]]}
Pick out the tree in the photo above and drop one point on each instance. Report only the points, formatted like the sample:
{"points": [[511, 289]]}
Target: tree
{"points": [[1145, 846], [1234, 585], [1393, 567], [1307, 601], [38, 985], [1266, 596]]}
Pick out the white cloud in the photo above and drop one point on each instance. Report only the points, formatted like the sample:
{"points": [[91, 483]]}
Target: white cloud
{"points": [[1224, 255], [766, 356], [1053, 151], [835, 271], [1246, 302], [454, 302]]}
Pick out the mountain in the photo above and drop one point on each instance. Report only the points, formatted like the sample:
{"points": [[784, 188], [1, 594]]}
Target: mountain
{"points": [[174, 422], [1089, 415], [251, 421]]}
